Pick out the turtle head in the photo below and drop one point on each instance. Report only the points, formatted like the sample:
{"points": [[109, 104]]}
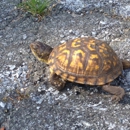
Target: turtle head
{"points": [[41, 51]]}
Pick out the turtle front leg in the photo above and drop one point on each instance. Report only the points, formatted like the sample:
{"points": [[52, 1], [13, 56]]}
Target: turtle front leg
{"points": [[57, 81], [117, 92]]}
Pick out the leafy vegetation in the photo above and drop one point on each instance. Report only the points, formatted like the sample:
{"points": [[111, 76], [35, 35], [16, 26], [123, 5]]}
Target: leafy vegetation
{"points": [[35, 7]]}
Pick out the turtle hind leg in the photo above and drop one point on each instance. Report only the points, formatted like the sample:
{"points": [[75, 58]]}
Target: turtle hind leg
{"points": [[117, 92], [57, 81]]}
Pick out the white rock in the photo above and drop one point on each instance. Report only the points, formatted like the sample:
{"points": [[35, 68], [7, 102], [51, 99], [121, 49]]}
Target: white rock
{"points": [[62, 41], [40, 101], [102, 22], [111, 126], [24, 36], [38, 107], [10, 54], [94, 34], [61, 35], [56, 92], [70, 31], [87, 124], [11, 67], [1, 76], [7, 73], [110, 1], [2, 104]]}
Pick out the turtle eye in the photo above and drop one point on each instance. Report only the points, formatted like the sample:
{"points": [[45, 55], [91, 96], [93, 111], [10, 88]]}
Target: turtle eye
{"points": [[33, 46]]}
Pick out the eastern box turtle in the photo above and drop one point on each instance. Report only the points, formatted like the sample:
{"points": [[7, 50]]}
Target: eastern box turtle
{"points": [[82, 60]]}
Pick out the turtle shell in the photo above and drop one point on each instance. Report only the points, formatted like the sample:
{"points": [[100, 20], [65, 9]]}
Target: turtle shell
{"points": [[86, 61]]}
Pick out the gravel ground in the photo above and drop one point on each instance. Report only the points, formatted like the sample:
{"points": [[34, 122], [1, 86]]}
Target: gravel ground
{"points": [[27, 99]]}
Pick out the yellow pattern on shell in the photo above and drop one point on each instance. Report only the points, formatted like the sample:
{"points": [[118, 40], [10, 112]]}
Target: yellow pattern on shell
{"points": [[91, 45], [62, 47], [75, 43], [62, 57], [103, 47], [94, 56], [77, 61], [72, 78], [86, 61]]}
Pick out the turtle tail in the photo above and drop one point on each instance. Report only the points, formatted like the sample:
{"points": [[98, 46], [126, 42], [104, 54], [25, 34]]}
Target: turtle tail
{"points": [[126, 64]]}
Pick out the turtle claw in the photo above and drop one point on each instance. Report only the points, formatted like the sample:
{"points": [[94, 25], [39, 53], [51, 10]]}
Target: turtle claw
{"points": [[115, 98], [57, 82]]}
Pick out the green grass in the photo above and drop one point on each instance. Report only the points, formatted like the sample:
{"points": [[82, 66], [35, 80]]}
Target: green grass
{"points": [[35, 7]]}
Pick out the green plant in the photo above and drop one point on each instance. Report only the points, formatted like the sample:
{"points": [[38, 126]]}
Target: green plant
{"points": [[35, 7]]}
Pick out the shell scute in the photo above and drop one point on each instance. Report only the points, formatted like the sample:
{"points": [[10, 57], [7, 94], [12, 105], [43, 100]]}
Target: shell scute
{"points": [[86, 61]]}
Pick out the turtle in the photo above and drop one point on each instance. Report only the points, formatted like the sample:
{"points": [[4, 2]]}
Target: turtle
{"points": [[83, 60]]}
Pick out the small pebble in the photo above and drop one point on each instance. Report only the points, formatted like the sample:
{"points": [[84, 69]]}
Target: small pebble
{"points": [[40, 101], [11, 67], [94, 34], [87, 124], [2, 104], [102, 22], [38, 107], [62, 41], [24, 36]]}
